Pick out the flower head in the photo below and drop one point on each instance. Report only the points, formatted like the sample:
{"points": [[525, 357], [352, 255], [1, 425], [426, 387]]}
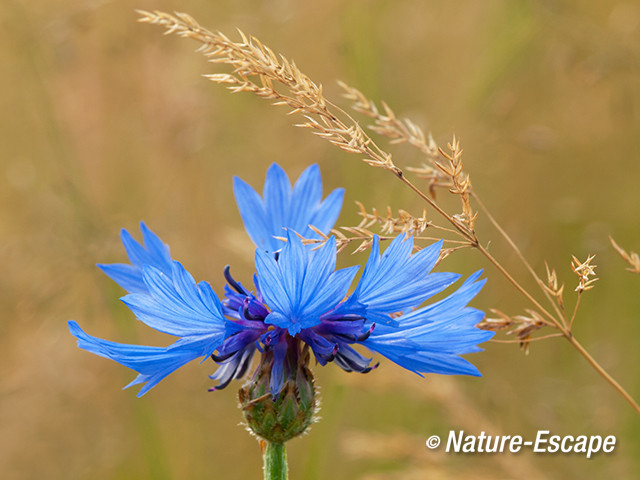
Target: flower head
{"points": [[300, 301]]}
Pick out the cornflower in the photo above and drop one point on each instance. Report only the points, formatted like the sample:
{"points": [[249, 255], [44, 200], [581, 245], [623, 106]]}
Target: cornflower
{"points": [[300, 302]]}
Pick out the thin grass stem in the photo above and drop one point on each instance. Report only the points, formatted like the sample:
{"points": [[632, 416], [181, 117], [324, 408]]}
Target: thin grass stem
{"points": [[528, 340], [575, 310], [520, 256]]}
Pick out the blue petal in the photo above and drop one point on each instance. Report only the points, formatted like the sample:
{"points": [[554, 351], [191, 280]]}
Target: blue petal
{"points": [[448, 306], [176, 305], [306, 195], [307, 207], [152, 363], [301, 285], [125, 275], [154, 253], [326, 213], [396, 280], [429, 340], [253, 215], [433, 362], [283, 207], [277, 198], [270, 280]]}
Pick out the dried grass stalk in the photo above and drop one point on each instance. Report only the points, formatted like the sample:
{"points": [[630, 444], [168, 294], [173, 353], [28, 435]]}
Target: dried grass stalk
{"points": [[258, 70]]}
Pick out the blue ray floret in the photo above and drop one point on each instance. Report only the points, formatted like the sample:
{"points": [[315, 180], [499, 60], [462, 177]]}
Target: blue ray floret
{"points": [[154, 253], [299, 299], [285, 207]]}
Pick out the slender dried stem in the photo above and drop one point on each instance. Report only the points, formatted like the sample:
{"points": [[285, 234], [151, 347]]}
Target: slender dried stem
{"points": [[534, 339], [520, 256], [575, 310], [552, 320], [604, 373]]}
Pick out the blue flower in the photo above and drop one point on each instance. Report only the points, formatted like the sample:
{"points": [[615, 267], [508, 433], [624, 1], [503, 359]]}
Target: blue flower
{"points": [[300, 300], [283, 207]]}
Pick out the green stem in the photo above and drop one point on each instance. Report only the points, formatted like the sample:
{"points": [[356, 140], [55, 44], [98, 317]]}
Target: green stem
{"points": [[275, 462]]}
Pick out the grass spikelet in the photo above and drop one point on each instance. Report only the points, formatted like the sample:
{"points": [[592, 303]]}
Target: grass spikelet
{"points": [[388, 124], [460, 183], [403, 223], [632, 258], [584, 270], [552, 286], [522, 327]]}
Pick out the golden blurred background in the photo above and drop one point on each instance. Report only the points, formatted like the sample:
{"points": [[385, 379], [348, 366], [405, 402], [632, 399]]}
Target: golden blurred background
{"points": [[105, 122]]}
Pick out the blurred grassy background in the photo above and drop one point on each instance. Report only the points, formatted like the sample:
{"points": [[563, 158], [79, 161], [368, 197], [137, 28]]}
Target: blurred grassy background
{"points": [[106, 122]]}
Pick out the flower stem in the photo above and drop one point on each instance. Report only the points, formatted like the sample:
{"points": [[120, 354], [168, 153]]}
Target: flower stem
{"points": [[275, 461]]}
